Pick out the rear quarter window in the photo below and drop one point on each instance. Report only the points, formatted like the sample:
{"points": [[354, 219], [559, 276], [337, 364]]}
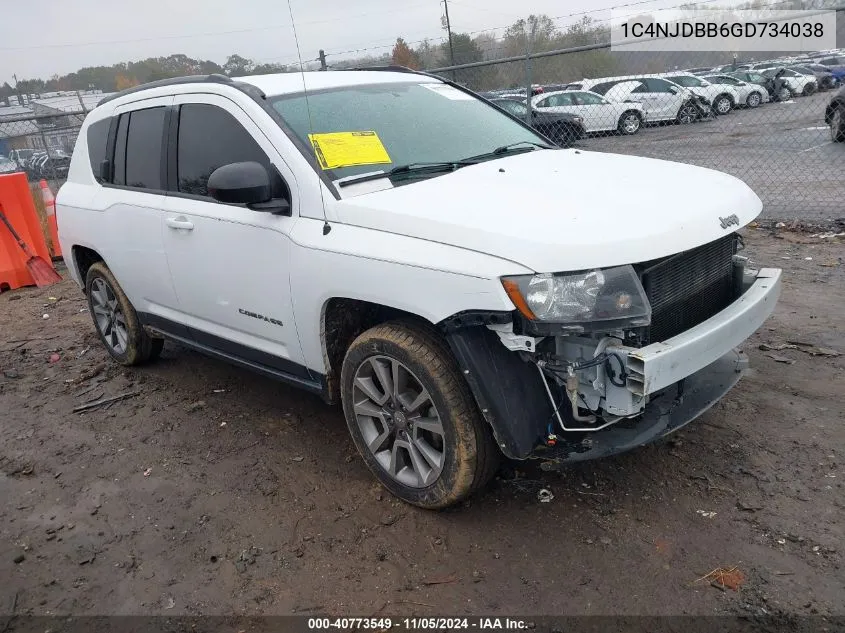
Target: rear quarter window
{"points": [[98, 136]]}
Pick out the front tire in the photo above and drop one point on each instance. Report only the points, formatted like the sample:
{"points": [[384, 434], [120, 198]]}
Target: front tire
{"points": [[629, 123], [722, 104], [837, 125], [809, 89], [754, 100], [116, 321], [688, 113], [785, 94], [412, 417]]}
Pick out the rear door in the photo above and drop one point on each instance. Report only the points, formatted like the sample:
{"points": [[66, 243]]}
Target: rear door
{"points": [[132, 199], [661, 99], [230, 264]]}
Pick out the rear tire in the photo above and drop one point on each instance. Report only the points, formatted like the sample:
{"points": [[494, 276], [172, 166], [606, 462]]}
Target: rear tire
{"points": [[785, 94], [809, 89], [425, 440], [754, 99], [116, 321]]}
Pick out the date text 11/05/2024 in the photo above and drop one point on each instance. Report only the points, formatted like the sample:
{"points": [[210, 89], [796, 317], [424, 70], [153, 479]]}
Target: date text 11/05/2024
{"points": [[411, 624]]}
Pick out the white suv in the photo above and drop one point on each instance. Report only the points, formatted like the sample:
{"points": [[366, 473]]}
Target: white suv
{"points": [[397, 245]]}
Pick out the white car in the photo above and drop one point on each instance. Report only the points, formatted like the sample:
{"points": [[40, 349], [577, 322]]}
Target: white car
{"points": [[661, 99], [722, 97], [399, 246], [798, 83], [599, 114], [748, 94]]}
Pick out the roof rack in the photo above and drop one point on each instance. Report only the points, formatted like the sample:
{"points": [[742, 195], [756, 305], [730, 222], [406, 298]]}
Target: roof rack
{"points": [[173, 81]]}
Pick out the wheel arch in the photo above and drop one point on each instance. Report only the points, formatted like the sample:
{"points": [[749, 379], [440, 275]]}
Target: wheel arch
{"points": [[342, 320], [82, 258]]}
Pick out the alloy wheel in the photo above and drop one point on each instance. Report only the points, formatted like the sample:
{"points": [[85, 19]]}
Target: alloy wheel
{"points": [[398, 421], [836, 124], [753, 100], [631, 123], [109, 316], [723, 105], [687, 114]]}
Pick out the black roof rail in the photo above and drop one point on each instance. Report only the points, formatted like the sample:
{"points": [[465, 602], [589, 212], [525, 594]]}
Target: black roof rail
{"points": [[173, 81]]}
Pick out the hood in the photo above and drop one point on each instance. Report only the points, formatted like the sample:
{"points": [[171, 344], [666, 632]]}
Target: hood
{"points": [[563, 210]]}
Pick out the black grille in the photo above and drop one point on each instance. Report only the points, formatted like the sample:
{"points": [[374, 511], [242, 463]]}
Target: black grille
{"points": [[688, 288]]}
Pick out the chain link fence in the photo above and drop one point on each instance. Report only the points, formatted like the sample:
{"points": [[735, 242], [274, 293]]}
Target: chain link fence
{"points": [[770, 121], [39, 145]]}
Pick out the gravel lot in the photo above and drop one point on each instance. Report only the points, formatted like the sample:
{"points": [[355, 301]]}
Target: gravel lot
{"points": [[782, 150], [214, 491]]}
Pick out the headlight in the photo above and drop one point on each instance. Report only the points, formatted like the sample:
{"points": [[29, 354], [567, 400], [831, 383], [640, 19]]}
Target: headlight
{"points": [[590, 299]]}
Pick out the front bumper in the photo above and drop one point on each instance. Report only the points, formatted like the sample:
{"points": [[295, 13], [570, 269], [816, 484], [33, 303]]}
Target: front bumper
{"points": [[667, 412], [655, 367]]}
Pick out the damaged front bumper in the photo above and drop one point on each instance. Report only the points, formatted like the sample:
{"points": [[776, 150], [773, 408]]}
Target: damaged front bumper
{"points": [[666, 385]]}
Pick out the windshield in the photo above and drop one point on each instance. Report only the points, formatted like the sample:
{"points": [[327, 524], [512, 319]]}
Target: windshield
{"points": [[404, 123], [802, 70], [686, 81]]}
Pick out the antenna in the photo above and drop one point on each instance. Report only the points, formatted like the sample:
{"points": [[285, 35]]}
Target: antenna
{"points": [[326, 226]]}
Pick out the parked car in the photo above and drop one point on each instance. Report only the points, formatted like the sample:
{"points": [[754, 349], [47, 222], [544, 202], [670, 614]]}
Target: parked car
{"points": [[730, 68], [776, 87], [661, 99], [827, 78], [834, 116], [44, 165], [748, 94], [8, 166], [461, 287], [824, 80], [599, 114], [21, 156], [798, 83], [563, 128], [722, 97], [835, 64]]}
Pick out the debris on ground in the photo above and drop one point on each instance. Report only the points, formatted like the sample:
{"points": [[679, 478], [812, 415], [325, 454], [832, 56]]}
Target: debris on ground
{"points": [[55, 358], [781, 359], [148, 472], [723, 579], [195, 406], [545, 495], [707, 514], [441, 581], [807, 348], [104, 401], [17, 560]]}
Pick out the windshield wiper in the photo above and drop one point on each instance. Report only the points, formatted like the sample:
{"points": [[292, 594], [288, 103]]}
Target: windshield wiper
{"points": [[411, 168], [446, 166], [519, 146]]}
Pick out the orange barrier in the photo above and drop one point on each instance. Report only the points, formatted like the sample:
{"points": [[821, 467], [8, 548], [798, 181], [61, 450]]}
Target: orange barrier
{"points": [[50, 210], [17, 205]]}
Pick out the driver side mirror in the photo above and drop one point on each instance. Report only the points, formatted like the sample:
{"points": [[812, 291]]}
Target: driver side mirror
{"points": [[246, 183]]}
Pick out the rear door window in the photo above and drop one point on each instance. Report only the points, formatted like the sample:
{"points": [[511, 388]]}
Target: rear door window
{"points": [[98, 136], [138, 149]]}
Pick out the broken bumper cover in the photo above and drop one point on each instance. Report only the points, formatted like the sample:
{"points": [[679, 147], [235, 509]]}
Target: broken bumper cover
{"points": [[666, 413], [657, 366]]}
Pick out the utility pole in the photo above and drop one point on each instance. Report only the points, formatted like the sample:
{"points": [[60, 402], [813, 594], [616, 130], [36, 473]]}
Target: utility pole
{"points": [[323, 65], [449, 31]]}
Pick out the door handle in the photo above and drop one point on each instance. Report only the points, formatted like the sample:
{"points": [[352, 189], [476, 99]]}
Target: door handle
{"points": [[180, 223]]}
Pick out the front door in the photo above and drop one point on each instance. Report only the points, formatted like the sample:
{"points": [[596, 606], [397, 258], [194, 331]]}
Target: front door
{"points": [[230, 264]]}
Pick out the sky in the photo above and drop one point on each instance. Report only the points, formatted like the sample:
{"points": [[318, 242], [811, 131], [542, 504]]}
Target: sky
{"points": [[60, 36]]}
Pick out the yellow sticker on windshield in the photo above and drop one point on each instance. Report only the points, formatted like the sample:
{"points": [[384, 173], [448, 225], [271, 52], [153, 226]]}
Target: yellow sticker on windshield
{"points": [[348, 149]]}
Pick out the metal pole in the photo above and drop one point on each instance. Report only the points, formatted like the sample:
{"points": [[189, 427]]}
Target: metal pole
{"points": [[449, 32], [81, 102], [47, 151], [529, 88]]}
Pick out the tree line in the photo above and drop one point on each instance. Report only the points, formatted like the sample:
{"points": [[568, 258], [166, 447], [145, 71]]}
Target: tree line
{"points": [[537, 33]]}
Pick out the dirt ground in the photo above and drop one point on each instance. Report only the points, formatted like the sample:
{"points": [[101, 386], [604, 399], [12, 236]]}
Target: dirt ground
{"points": [[215, 491]]}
